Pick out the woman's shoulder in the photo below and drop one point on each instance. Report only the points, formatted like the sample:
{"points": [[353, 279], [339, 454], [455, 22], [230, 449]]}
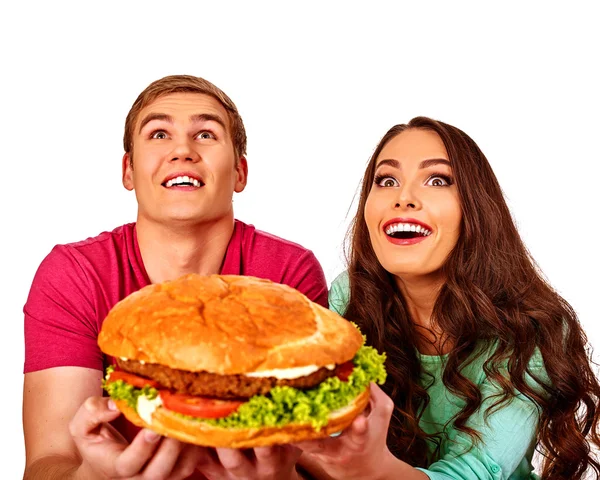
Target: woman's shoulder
{"points": [[339, 293]]}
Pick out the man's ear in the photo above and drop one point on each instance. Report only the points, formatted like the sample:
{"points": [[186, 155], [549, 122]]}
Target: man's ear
{"points": [[127, 172], [242, 175]]}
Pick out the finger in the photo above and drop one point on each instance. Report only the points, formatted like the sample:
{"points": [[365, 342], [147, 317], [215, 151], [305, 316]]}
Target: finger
{"points": [[207, 462], [234, 461], [276, 459], [382, 405], [186, 463], [358, 430], [132, 460], [266, 454], [165, 458], [91, 415], [324, 448]]}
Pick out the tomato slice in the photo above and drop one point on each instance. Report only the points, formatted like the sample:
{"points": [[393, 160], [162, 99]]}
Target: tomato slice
{"points": [[137, 382], [198, 406], [345, 370]]}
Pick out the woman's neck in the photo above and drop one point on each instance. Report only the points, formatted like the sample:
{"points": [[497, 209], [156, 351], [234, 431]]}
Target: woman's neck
{"points": [[169, 253], [420, 294]]}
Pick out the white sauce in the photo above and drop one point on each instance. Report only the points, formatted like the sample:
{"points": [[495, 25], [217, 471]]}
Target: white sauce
{"points": [[125, 359], [146, 407], [288, 373]]}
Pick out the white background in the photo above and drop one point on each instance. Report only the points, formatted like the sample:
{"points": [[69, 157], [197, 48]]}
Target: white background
{"points": [[317, 84]]}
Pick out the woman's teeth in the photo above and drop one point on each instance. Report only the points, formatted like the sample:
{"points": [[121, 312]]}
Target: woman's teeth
{"points": [[407, 227], [184, 181]]}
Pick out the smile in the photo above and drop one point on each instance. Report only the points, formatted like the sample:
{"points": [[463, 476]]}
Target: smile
{"points": [[186, 182], [406, 232]]}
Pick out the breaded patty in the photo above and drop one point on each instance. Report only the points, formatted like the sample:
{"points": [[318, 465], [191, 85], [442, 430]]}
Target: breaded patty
{"points": [[221, 386]]}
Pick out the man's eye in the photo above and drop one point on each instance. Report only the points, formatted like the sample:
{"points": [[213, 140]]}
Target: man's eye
{"points": [[386, 181], [160, 135], [205, 135]]}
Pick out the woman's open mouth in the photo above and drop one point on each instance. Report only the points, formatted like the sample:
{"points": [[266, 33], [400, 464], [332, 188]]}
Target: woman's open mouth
{"points": [[406, 233]]}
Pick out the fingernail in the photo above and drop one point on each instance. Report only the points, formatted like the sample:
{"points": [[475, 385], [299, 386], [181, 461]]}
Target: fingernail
{"points": [[112, 405], [151, 436]]}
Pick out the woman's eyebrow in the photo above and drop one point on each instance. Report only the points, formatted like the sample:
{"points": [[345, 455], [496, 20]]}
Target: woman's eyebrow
{"points": [[391, 162], [434, 161], [424, 164]]}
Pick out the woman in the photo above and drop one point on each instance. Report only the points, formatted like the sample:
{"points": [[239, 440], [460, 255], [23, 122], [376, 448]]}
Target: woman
{"points": [[486, 362]]}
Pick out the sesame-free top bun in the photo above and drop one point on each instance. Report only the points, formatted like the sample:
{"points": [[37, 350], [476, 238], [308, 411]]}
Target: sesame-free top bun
{"points": [[226, 324], [176, 426]]}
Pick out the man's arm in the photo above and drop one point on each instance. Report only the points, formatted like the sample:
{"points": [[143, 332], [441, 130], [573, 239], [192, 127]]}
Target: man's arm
{"points": [[307, 276], [50, 399]]}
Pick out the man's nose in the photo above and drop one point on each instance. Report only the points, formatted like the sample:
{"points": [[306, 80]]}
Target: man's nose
{"points": [[184, 151]]}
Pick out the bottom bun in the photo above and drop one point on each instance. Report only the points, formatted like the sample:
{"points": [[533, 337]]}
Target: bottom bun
{"points": [[172, 425]]}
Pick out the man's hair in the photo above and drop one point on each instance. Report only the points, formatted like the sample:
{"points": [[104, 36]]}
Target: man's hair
{"points": [[187, 84]]}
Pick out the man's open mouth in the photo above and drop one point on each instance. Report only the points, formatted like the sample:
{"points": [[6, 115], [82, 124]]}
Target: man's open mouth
{"points": [[183, 181]]}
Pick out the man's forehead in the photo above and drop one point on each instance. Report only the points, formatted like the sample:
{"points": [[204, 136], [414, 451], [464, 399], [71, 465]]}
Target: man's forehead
{"points": [[184, 104]]}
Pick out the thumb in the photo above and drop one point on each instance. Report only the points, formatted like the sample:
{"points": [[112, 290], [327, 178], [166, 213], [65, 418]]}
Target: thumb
{"points": [[382, 406], [94, 412]]}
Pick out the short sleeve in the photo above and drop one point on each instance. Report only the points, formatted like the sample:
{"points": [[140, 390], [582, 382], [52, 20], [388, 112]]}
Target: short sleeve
{"points": [[339, 293], [60, 324], [308, 277], [508, 438]]}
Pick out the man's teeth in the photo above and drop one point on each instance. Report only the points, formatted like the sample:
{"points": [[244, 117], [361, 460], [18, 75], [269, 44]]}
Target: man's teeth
{"points": [[407, 227], [185, 180]]}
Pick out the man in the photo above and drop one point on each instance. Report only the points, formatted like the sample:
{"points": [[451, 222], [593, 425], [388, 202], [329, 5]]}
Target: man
{"points": [[185, 147]]}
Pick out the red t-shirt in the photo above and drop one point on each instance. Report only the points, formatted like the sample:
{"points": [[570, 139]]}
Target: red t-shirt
{"points": [[78, 283]]}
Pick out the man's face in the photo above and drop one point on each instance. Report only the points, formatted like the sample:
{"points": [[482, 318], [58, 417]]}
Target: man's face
{"points": [[184, 167]]}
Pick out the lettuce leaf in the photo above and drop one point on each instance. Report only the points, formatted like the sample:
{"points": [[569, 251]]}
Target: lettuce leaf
{"points": [[284, 405]]}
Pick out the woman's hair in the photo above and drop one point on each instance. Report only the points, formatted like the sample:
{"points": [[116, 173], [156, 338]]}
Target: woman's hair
{"points": [[493, 295]]}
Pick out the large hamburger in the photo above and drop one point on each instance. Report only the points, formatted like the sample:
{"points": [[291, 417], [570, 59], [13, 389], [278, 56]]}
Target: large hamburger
{"points": [[235, 361]]}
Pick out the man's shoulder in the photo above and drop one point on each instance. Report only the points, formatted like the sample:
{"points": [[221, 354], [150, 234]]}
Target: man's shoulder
{"points": [[252, 236], [114, 238], [97, 252]]}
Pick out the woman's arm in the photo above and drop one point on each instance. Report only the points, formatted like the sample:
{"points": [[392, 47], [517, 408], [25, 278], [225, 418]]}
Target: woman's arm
{"points": [[508, 437], [360, 451]]}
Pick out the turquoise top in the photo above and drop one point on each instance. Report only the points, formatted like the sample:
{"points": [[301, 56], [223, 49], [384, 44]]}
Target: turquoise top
{"points": [[508, 435]]}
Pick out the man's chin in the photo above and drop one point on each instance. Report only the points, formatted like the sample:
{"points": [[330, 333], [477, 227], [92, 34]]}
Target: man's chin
{"points": [[182, 219]]}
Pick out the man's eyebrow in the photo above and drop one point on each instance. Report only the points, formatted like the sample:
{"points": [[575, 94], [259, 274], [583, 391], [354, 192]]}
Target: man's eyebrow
{"points": [[208, 117], [155, 116], [199, 117], [424, 164]]}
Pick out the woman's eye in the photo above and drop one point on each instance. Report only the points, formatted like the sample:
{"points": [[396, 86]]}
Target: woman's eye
{"points": [[205, 135], [439, 181], [159, 135], [387, 182]]}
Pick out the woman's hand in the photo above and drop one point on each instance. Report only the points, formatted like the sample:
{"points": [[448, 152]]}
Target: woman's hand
{"points": [[265, 463], [360, 451]]}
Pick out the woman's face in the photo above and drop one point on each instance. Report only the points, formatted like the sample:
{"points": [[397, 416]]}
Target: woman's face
{"points": [[413, 211]]}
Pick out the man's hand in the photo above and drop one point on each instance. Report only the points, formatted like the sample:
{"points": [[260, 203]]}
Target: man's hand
{"points": [[106, 453], [361, 451], [265, 463]]}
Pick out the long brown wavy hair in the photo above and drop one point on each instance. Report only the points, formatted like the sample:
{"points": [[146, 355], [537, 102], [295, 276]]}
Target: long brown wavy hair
{"points": [[494, 294]]}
